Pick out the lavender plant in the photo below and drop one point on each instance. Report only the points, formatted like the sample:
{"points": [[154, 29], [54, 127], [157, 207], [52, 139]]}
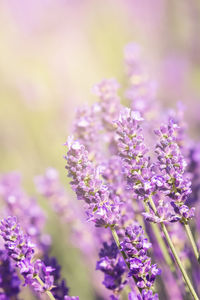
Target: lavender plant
{"points": [[41, 277], [138, 181], [152, 181], [19, 252], [20, 248]]}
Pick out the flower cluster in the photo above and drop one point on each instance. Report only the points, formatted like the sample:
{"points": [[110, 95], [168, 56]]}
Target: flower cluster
{"points": [[142, 181], [113, 266], [194, 170], [142, 177], [124, 182], [172, 166], [93, 126], [42, 276], [87, 183], [87, 125], [165, 214], [142, 89], [146, 295], [135, 245], [49, 186], [109, 103], [17, 203], [103, 188], [9, 280], [82, 234], [59, 289], [20, 248], [123, 185], [133, 152]]}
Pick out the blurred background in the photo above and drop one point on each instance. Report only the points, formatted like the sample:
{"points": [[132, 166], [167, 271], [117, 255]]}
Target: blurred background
{"points": [[53, 52]]}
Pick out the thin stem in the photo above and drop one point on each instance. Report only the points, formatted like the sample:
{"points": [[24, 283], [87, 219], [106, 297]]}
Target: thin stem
{"points": [[42, 284], [163, 248], [179, 263], [177, 259], [116, 238], [161, 243], [192, 241]]}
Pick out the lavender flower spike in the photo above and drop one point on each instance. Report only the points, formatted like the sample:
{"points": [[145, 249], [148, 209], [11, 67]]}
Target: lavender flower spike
{"points": [[172, 167], [133, 150], [113, 266], [135, 245], [21, 250], [87, 183]]}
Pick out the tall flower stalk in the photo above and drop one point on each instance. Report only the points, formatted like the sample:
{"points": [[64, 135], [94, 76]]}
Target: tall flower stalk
{"points": [[176, 257], [20, 248], [176, 184], [144, 182], [101, 207], [138, 187], [136, 165]]}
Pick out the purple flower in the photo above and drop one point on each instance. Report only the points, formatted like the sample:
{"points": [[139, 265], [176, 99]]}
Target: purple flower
{"points": [[113, 266], [116, 182], [172, 166], [93, 126], [135, 245], [109, 103], [194, 170], [141, 89], [109, 250], [165, 214], [60, 288], [146, 295], [25, 208], [20, 248], [87, 127], [82, 233], [106, 89], [132, 149], [9, 280], [87, 183], [178, 118], [114, 297], [50, 187]]}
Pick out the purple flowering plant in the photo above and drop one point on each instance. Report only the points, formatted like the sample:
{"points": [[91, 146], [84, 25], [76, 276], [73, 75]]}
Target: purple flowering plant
{"points": [[136, 174]]}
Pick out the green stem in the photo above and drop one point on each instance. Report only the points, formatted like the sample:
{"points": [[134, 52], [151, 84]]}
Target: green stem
{"points": [[192, 241], [161, 243], [163, 247], [42, 284], [177, 259], [116, 238], [179, 263]]}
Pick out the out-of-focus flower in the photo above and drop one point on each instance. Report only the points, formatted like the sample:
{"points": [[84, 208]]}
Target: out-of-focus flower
{"points": [[9, 280], [141, 90], [146, 295], [17, 203]]}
